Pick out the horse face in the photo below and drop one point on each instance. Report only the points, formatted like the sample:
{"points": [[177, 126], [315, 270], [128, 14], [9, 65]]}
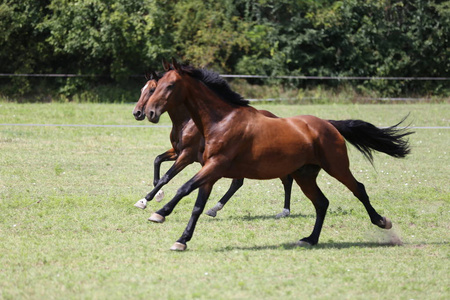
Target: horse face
{"points": [[164, 96], [146, 92]]}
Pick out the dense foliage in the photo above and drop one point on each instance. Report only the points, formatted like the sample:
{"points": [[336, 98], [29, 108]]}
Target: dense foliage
{"points": [[119, 38]]}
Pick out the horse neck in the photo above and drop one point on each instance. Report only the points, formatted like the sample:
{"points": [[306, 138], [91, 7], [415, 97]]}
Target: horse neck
{"points": [[179, 115], [204, 106]]}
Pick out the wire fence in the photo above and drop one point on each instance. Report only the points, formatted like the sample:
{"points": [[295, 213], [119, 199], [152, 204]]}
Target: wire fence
{"points": [[152, 126], [252, 77], [371, 99], [331, 78]]}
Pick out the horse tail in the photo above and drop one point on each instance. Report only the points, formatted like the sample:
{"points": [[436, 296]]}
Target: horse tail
{"points": [[367, 137]]}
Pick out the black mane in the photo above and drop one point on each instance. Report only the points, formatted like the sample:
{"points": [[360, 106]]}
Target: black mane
{"points": [[217, 84]]}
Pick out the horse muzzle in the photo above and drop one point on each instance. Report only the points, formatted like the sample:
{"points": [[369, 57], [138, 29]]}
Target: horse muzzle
{"points": [[153, 116], [139, 115]]}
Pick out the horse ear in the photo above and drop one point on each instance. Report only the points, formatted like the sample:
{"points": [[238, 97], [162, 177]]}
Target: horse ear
{"points": [[175, 65], [147, 76], [165, 64], [154, 75]]}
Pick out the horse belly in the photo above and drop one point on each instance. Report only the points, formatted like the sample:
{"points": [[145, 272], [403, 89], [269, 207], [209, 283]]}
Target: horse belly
{"points": [[272, 160], [270, 148]]}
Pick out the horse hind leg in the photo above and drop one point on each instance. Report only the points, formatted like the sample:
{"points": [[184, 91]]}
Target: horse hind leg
{"points": [[344, 175], [236, 184], [306, 179], [287, 185]]}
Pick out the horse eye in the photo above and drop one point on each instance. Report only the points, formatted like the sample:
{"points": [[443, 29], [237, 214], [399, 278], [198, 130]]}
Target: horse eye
{"points": [[152, 90]]}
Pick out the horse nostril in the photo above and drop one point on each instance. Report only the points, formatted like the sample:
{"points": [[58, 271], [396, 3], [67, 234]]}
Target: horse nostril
{"points": [[137, 114], [152, 113]]}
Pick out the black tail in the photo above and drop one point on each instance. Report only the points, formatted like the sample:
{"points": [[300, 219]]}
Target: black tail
{"points": [[367, 137]]}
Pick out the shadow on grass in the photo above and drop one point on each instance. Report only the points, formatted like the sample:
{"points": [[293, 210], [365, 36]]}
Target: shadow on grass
{"points": [[330, 245], [249, 217], [259, 217], [290, 246]]}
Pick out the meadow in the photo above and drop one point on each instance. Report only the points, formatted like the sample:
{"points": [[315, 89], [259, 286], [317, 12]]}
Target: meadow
{"points": [[68, 227]]}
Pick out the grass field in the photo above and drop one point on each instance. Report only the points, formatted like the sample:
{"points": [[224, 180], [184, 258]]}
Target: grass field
{"points": [[68, 228]]}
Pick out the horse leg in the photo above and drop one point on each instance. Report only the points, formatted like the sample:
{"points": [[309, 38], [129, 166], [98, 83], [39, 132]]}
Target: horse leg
{"points": [[336, 163], [169, 155], [235, 185], [208, 173], [203, 194], [306, 179], [287, 184], [183, 160], [345, 176]]}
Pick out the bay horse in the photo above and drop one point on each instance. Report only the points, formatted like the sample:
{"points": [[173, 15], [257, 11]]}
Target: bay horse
{"points": [[187, 147], [240, 142]]}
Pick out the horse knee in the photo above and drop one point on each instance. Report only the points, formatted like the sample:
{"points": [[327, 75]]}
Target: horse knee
{"points": [[158, 160], [186, 189], [197, 211]]}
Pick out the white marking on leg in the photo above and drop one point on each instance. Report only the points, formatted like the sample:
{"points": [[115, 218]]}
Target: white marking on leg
{"points": [[286, 212], [142, 204], [213, 211], [159, 196]]}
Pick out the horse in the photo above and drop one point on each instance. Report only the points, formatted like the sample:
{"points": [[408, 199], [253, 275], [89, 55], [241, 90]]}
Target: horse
{"points": [[241, 142], [187, 148]]}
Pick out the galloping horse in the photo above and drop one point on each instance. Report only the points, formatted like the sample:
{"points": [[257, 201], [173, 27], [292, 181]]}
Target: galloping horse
{"points": [[187, 147], [240, 142]]}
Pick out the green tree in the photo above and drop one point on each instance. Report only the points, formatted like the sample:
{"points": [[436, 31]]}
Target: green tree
{"points": [[22, 43], [119, 38], [209, 32], [98, 37]]}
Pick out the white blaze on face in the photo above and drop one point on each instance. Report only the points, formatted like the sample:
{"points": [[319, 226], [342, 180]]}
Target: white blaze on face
{"points": [[144, 88]]}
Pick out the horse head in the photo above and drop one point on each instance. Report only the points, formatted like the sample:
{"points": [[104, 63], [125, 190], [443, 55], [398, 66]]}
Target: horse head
{"points": [[148, 89], [166, 93]]}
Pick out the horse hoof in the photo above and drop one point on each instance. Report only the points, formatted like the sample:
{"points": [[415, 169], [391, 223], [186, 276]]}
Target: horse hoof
{"points": [[283, 214], [303, 244], [142, 204], [156, 218], [387, 223], [159, 196], [211, 213], [178, 247]]}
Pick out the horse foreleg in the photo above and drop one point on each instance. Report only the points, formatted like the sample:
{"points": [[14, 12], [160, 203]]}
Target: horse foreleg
{"points": [[236, 184], [287, 184], [203, 194], [169, 155], [183, 160], [205, 178]]}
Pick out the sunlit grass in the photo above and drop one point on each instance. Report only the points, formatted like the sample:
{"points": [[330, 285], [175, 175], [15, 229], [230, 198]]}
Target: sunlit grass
{"points": [[68, 228]]}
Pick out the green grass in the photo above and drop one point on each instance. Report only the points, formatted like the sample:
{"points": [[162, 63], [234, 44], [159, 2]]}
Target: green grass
{"points": [[68, 228]]}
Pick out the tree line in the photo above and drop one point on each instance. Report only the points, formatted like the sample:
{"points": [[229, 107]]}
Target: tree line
{"points": [[119, 38]]}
